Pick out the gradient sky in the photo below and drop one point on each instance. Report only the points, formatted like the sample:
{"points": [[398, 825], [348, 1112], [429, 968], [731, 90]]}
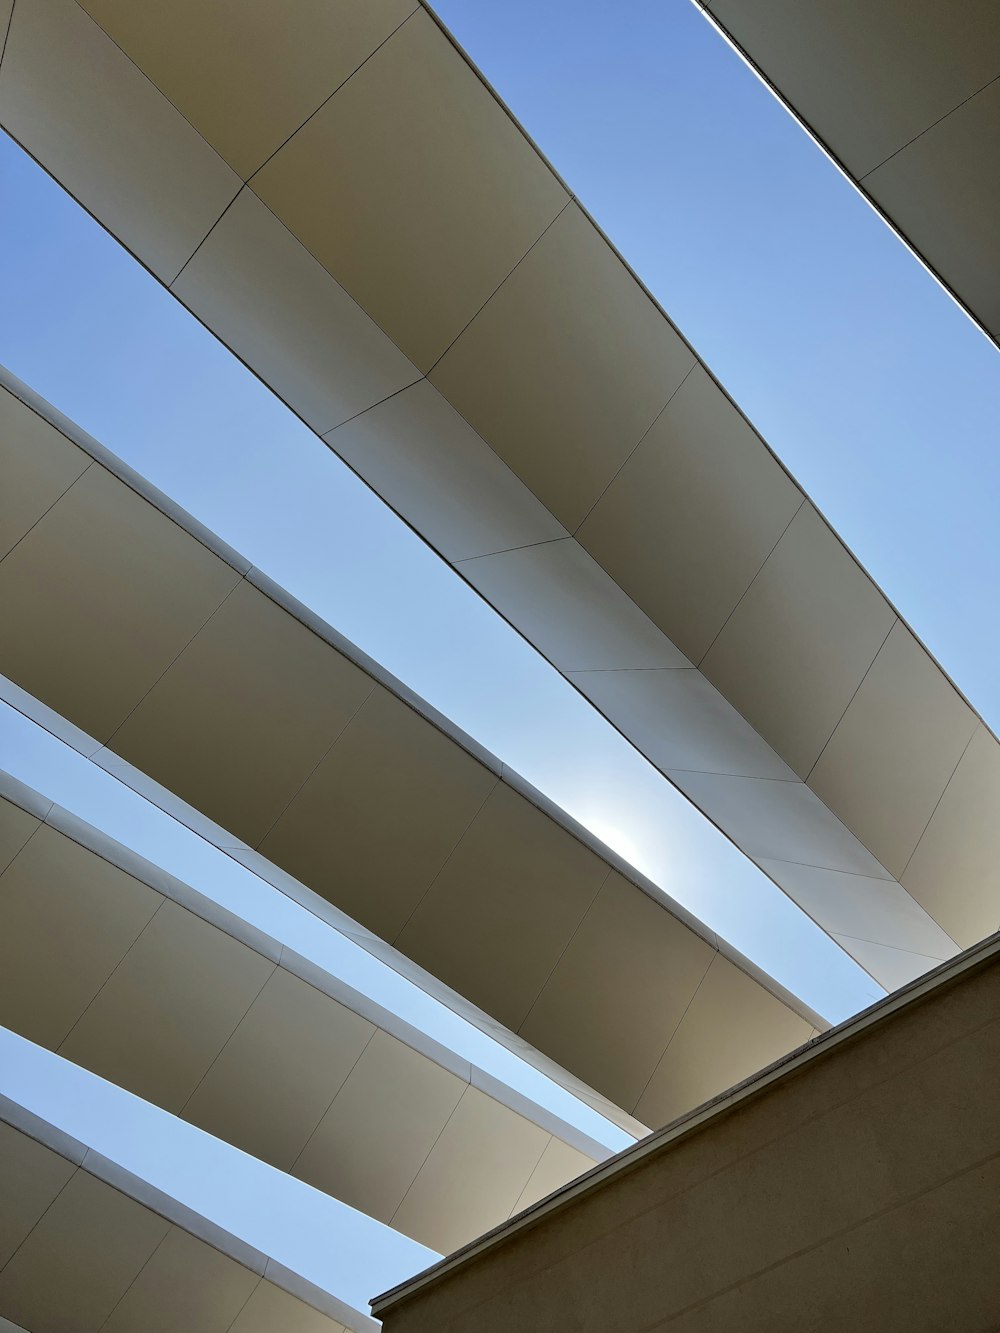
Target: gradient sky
{"points": [[865, 377], [872, 386]]}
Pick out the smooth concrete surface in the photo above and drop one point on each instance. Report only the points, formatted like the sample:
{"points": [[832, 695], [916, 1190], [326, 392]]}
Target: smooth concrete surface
{"points": [[161, 993], [852, 1186], [382, 244], [905, 97], [84, 1247], [204, 677]]}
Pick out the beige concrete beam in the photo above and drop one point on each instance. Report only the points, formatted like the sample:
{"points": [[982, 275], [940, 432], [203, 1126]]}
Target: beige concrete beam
{"points": [[142, 980], [302, 752], [87, 1246], [407, 272]]}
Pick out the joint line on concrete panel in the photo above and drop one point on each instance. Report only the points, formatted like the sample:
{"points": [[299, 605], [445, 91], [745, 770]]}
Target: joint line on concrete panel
{"points": [[256, 171], [222, 1049], [441, 868], [896, 621], [329, 1106], [176, 278], [97, 994], [562, 952], [325, 435], [142, 1268], [944, 789], [757, 573], [621, 467], [509, 550], [61, 496], [426, 1158], [927, 129], [322, 759], [249, 1298], [506, 278], [45, 1211], [675, 1030], [173, 661]]}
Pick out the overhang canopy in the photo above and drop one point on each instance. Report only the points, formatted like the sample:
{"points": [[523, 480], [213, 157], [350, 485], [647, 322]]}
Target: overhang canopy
{"points": [[376, 237], [137, 977], [164, 648]]}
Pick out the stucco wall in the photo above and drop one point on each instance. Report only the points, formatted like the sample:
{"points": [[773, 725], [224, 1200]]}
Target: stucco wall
{"points": [[859, 1191]]}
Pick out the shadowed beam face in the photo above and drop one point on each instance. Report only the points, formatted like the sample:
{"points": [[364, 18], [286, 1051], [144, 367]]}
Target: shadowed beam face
{"points": [[906, 99]]}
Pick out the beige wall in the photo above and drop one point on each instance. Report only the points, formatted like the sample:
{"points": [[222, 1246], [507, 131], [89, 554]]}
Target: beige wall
{"points": [[858, 1190]]}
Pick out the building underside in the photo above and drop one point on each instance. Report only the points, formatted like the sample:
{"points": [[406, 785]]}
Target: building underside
{"points": [[383, 245], [385, 993]]}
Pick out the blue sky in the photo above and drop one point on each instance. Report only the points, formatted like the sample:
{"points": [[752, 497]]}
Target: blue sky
{"points": [[869, 382], [871, 385], [89, 329]]}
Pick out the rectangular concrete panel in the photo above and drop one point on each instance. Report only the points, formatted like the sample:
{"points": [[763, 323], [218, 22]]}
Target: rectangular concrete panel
{"points": [[270, 1309], [274, 1079], [168, 1008], [318, 350], [240, 47], [16, 827], [777, 820], [127, 590], [954, 872], [497, 918], [497, 1172], [893, 967], [260, 698], [78, 103], [879, 911], [80, 1259], [870, 78], [427, 462], [415, 189], [895, 749], [363, 1148], [39, 465], [797, 646], [186, 1283], [67, 918], [379, 816], [32, 1176], [680, 721], [708, 1054], [693, 514], [565, 368], [595, 626], [557, 1164], [618, 992]]}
